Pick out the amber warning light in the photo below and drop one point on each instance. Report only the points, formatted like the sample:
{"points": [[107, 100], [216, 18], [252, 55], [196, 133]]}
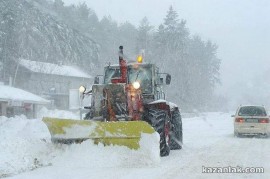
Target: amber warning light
{"points": [[140, 59]]}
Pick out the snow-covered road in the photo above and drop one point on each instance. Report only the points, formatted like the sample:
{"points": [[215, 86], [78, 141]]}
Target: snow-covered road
{"points": [[208, 142]]}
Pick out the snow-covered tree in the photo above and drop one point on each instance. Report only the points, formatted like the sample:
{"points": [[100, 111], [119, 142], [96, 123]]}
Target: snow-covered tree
{"points": [[144, 37]]}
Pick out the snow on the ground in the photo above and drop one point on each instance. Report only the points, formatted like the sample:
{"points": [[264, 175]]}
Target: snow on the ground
{"points": [[21, 144], [26, 152], [25, 145]]}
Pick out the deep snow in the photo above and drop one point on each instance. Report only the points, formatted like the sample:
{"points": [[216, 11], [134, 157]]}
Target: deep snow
{"points": [[26, 152]]}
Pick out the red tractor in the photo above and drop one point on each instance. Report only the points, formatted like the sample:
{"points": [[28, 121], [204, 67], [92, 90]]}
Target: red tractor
{"points": [[134, 92]]}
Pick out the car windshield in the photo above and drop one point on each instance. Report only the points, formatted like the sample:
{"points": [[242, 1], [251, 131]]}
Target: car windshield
{"points": [[252, 111]]}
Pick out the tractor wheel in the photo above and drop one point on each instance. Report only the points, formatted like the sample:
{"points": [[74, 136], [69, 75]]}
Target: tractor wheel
{"points": [[176, 134], [160, 121]]}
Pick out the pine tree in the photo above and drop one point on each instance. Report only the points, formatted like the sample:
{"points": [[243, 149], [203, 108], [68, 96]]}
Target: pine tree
{"points": [[144, 37], [127, 37], [9, 45], [191, 61]]}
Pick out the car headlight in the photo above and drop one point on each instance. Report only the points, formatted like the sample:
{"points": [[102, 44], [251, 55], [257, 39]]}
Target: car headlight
{"points": [[136, 85], [82, 89]]}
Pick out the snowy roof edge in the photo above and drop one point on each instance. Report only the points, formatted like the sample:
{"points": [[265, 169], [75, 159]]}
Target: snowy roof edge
{"points": [[9, 93], [53, 69]]}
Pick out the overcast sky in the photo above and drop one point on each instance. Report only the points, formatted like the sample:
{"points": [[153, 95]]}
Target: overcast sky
{"points": [[241, 28]]}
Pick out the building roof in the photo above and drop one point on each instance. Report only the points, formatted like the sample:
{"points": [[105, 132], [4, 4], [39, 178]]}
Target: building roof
{"points": [[8, 93], [53, 69]]}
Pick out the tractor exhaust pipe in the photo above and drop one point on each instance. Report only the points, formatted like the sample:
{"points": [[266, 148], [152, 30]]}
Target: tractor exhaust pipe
{"points": [[120, 53], [123, 68]]}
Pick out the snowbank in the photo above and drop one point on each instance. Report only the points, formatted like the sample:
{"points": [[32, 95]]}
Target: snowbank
{"points": [[25, 145], [22, 145]]}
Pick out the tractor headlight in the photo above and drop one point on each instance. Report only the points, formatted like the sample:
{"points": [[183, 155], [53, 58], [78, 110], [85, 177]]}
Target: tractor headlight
{"points": [[82, 89], [136, 85]]}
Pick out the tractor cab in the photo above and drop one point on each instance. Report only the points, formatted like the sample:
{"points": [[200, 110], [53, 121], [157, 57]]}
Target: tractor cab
{"points": [[140, 75]]}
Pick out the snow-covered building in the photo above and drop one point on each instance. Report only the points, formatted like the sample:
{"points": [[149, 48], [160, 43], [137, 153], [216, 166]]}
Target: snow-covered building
{"points": [[15, 101], [51, 81]]}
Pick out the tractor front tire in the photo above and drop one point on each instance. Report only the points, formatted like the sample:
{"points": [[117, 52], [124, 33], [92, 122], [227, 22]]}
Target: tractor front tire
{"points": [[176, 134], [160, 122]]}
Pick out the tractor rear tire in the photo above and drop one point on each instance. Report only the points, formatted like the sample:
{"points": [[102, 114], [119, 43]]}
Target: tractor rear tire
{"points": [[176, 134], [160, 121]]}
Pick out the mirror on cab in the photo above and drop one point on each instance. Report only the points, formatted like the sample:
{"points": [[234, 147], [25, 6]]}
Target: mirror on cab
{"points": [[168, 79], [96, 80]]}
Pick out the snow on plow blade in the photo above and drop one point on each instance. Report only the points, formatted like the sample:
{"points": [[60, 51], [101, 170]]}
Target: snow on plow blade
{"points": [[123, 133]]}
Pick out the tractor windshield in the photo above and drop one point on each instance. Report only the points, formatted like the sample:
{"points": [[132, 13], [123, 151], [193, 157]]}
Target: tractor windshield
{"points": [[110, 73], [142, 74]]}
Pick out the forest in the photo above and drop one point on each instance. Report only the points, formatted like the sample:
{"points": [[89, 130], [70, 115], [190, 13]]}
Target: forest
{"points": [[50, 31]]}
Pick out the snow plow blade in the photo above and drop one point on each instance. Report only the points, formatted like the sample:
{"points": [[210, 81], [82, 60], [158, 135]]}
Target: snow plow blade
{"points": [[122, 133]]}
